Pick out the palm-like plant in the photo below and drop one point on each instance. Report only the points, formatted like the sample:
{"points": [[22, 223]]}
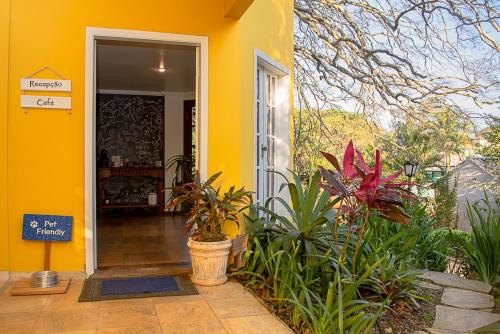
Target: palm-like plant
{"points": [[296, 243], [309, 209], [309, 213], [210, 208]]}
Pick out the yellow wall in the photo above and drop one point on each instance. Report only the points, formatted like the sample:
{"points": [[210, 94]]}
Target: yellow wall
{"points": [[264, 19], [267, 25], [46, 147], [4, 74]]}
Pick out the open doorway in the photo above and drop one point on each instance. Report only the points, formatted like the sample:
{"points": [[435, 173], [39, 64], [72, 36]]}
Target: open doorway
{"points": [[145, 141]]}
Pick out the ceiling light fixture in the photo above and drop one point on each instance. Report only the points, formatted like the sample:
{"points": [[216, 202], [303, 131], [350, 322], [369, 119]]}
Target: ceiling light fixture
{"points": [[162, 69]]}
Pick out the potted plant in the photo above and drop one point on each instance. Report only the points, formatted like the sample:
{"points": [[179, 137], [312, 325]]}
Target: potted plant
{"points": [[210, 209], [182, 168]]}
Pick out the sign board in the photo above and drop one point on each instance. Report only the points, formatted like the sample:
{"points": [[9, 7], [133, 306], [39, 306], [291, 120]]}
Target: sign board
{"points": [[53, 85], [45, 102], [47, 227]]}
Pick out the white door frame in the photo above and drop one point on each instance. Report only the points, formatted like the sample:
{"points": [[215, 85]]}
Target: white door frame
{"points": [[93, 34], [283, 106]]}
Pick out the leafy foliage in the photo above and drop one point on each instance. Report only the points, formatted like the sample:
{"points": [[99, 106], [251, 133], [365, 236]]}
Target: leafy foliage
{"points": [[307, 257], [340, 312], [362, 190], [181, 167], [492, 136], [445, 202], [431, 141], [453, 244], [491, 151], [210, 208], [328, 130], [363, 193], [340, 254], [484, 249], [320, 303], [302, 232], [428, 251], [416, 241], [393, 280]]}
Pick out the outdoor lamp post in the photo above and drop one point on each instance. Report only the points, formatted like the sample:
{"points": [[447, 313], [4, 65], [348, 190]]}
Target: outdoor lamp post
{"points": [[410, 169]]}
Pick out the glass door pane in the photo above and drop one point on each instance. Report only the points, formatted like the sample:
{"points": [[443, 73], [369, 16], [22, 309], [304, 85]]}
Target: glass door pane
{"points": [[265, 141]]}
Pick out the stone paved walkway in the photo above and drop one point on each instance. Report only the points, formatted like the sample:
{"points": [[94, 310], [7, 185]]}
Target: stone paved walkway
{"points": [[465, 305], [224, 309]]}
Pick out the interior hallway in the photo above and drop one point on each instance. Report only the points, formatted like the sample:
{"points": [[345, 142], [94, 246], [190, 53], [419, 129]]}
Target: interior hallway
{"points": [[142, 241]]}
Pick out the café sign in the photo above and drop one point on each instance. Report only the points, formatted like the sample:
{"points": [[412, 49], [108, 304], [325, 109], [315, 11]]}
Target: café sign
{"points": [[30, 83], [46, 85], [47, 227], [45, 102]]}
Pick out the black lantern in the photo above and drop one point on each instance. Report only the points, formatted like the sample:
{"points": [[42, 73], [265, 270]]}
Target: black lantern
{"points": [[410, 168]]}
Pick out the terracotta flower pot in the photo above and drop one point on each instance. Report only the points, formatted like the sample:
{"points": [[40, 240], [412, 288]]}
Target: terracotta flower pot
{"points": [[209, 261]]}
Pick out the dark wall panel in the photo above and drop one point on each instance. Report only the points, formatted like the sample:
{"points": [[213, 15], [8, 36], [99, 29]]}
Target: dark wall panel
{"points": [[131, 126]]}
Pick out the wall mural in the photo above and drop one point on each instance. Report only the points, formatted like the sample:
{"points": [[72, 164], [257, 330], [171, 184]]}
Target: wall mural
{"points": [[133, 127]]}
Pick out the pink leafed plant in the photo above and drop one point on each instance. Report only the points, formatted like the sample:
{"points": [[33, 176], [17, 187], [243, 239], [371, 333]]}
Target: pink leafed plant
{"points": [[363, 192]]}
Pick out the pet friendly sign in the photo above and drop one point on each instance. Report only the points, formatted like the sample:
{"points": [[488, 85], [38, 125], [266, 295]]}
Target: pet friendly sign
{"points": [[47, 227]]}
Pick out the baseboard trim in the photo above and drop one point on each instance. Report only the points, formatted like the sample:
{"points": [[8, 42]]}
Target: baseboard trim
{"points": [[4, 278]]}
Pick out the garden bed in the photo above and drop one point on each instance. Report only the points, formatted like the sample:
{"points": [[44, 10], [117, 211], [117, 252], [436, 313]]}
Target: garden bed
{"points": [[351, 243], [401, 319], [407, 320]]}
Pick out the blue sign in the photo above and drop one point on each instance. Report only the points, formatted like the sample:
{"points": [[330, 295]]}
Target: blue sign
{"points": [[47, 227]]}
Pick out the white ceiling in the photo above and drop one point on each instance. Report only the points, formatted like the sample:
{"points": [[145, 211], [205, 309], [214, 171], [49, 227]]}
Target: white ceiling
{"points": [[134, 66]]}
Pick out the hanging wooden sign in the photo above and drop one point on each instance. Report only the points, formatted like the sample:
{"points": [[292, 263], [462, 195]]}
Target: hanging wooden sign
{"points": [[45, 85], [45, 102], [53, 85]]}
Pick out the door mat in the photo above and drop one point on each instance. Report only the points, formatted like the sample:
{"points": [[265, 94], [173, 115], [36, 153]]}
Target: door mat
{"points": [[95, 289]]}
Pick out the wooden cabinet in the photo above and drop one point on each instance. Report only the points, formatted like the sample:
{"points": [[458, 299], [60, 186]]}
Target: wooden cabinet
{"points": [[157, 173]]}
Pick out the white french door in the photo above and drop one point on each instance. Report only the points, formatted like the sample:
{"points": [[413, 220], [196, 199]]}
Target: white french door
{"points": [[265, 135]]}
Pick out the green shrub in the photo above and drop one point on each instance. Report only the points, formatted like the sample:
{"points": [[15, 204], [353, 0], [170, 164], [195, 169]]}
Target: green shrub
{"points": [[445, 203], [322, 306], [484, 248], [295, 257], [453, 243], [339, 312], [304, 230], [428, 252], [392, 281], [416, 241], [306, 218], [344, 240], [281, 271], [284, 246]]}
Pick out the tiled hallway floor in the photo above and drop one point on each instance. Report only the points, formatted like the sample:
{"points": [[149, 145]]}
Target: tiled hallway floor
{"points": [[224, 309]]}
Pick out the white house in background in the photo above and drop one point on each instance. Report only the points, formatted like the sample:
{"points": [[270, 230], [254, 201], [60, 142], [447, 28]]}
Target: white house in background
{"points": [[469, 179]]}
